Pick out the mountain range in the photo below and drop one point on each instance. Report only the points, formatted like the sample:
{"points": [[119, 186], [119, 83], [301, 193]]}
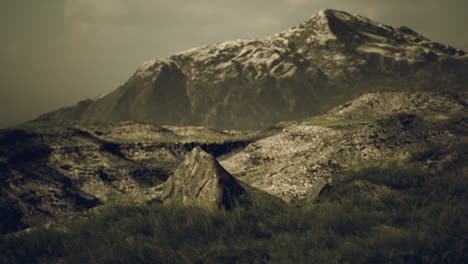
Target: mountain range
{"points": [[255, 83]]}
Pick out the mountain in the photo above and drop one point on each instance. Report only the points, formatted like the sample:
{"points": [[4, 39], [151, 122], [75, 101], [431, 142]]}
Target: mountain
{"points": [[251, 84]]}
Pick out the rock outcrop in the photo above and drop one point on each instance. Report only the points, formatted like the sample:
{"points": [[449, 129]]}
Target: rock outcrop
{"points": [[200, 181], [48, 172], [250, 84], [373, 130]]}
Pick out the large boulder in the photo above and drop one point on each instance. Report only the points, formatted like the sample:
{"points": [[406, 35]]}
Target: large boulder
{"points": [[200, 181]]}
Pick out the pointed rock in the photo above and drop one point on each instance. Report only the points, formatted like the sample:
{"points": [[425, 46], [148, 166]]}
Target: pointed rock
{"points": [[202, 182]]}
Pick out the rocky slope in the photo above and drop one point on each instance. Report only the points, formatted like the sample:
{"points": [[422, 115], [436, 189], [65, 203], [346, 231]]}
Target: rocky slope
{"points": [[51, 171], [372, 130], [251, 84], [48, 172]]}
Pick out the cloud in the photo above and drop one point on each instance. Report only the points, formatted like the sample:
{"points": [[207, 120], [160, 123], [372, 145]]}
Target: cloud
{"points": [[265, 21], [83, 17], [297, 3], [99, 10], [463, 42]]}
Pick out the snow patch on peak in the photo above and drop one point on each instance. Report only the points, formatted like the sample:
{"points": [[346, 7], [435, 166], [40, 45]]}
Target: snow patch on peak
{"points": [[147, 64], [189, 51], [233, 43], [148, 68], [322, 32], [321, 13]]}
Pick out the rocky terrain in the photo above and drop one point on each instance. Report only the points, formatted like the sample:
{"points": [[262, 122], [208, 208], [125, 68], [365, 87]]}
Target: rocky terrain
{"points": [[339, 140], [49, 172], [373, 130], [255, 83], [52, 171]]}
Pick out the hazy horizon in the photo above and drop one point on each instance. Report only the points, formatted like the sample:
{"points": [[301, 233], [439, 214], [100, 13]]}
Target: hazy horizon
{"points": [[55, 53]]}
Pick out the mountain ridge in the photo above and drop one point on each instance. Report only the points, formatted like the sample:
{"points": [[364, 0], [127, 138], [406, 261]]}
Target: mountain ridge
{"points": [[252, 84]]}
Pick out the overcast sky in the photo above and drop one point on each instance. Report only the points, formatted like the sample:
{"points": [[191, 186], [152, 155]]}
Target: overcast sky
{"points": [[54, 53]]}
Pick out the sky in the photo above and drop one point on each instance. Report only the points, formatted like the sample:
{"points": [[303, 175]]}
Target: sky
{"points": [[54, 53]]}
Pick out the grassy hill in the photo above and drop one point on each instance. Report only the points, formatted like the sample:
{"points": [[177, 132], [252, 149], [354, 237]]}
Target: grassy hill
{"points": [[377, 215]]}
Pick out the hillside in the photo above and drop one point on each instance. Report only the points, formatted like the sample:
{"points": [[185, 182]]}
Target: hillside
{"points": [[365, 182], [50, 172], [372, 130]]}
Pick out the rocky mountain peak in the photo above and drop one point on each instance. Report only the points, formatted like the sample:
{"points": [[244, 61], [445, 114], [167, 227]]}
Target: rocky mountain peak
{"points": [[363, 35], [254, 83]]}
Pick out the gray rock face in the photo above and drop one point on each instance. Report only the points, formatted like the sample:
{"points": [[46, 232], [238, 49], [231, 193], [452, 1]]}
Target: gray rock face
{"points": [[155, 94], [200, 181], [373, 130], [250, 84]]}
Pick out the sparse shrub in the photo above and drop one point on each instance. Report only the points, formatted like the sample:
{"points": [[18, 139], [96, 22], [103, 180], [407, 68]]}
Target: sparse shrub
{"points": [[394, 177], [453, 157]]}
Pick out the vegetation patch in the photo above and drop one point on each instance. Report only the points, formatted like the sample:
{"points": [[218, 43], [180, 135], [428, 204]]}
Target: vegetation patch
{"points": [[391, 215]]}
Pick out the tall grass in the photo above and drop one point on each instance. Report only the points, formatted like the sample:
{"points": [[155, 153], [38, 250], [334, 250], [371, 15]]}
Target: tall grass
{"points": [[392, 215]]}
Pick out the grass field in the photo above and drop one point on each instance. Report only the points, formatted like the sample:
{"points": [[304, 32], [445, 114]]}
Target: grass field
{"points": [[391, 215]]}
